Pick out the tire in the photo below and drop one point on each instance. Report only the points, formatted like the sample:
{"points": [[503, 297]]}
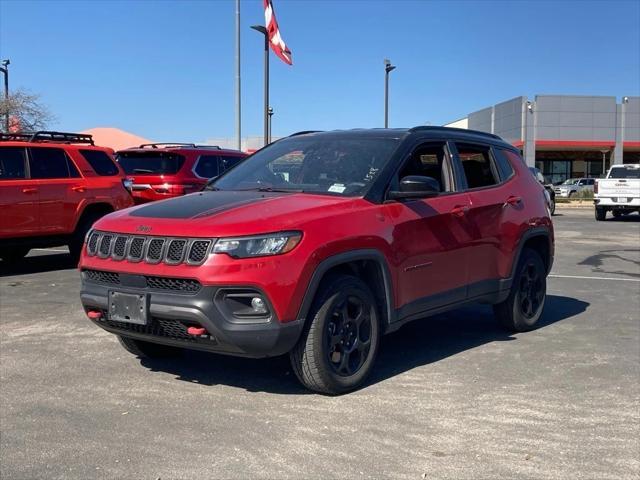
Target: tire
{"points": [[344, 316], [572, 194], [523, 307], [144, 349], [77, 238], [13, 254], [601, 213]]}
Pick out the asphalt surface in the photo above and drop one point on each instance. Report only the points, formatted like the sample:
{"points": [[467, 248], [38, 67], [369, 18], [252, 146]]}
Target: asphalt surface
{"points": [[452, 396]]}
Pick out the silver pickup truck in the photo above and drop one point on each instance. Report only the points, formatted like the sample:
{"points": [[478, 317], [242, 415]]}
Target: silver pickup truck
{"points": [[619, 192]]}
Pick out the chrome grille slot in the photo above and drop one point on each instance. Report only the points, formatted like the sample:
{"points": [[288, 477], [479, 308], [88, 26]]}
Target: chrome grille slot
{"points": [[105, 246], [92, 245], [155, 250], [136, 249], [175, 251], [119, 248], [198, 251]]}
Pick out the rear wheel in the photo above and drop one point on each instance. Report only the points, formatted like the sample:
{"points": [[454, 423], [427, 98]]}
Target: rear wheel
{"points": [[144, 349], [522, 309], [601, 213], [338, 347], [13, 254]]}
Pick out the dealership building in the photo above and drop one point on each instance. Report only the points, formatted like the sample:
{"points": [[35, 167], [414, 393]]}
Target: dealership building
{"points": [[565, 135]]}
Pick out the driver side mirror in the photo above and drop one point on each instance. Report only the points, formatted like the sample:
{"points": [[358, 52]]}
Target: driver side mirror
{"points": [[416, 186]]}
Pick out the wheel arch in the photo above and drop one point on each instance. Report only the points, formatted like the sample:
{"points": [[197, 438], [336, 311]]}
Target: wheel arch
{"points": [[370, 266], [538, 239], [98, 208]]}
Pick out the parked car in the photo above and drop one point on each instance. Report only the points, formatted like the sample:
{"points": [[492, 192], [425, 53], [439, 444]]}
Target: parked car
{"points": [[166, 170], [572, 186], [551, 200], [373, 229], [53, 186], [619, 192]]}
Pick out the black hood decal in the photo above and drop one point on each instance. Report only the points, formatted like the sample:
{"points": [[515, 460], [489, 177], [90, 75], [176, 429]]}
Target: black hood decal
{"points": [[201, 204]]}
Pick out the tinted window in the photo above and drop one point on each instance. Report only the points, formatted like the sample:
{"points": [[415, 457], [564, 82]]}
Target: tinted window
{"points": [[100, 162], [150, 163], [228, 162], [334, 164], [12, 163], [504, 166], [51, 163], [476, 162], [624, 172], [208, 166]]}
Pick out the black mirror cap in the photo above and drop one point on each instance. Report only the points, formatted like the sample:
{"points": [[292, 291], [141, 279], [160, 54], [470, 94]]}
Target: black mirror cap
{"points": [[416, 186]]}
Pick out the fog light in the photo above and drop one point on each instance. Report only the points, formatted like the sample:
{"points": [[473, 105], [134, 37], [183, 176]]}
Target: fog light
{"points": [[258, 306]]}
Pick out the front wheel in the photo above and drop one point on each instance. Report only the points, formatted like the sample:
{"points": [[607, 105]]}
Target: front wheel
{"points": [[601, 213], [523, 307], [338, 347]]}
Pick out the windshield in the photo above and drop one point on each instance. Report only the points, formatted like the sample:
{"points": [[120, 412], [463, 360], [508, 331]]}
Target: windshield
{"points": [[314, 164], [571, 181], [624, 172], [150, 163]]}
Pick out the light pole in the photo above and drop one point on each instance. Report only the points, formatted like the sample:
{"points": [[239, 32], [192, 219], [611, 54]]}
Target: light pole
{"points": [[387, 69], [604, 159], [270, 113], [263, 30], [5, 69]]}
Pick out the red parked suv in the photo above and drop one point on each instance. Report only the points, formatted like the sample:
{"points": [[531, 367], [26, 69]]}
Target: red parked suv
{"points": [[53, 186], [166, 170], [322, 242]]}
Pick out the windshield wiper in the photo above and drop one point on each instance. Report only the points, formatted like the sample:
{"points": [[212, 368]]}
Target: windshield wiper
{"points": [[272, 189]]}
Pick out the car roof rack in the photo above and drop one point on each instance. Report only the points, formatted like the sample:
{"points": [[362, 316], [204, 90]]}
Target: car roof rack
{"points": [[61, 137], [176, 144], [304, 132], [461, 130], [15, 137]]}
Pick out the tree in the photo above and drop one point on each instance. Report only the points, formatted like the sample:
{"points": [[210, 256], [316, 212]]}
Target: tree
{"points": [[26, 112]]}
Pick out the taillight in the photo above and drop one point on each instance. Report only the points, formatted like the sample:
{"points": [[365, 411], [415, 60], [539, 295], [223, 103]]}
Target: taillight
{"points": [[595, 187]]}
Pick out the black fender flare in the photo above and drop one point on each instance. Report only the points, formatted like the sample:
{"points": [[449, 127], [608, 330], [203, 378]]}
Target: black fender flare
{"points": [[341, 258], [527, 235]]}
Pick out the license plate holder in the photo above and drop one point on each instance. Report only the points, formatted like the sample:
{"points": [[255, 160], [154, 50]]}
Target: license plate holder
{"points": [[128, 307], [622, 199]]}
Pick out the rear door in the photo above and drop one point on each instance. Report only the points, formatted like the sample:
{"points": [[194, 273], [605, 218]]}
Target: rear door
{"points": [[19, 195], [62, 188]]}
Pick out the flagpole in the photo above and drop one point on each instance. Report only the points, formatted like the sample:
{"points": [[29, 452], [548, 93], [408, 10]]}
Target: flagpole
{"points": [[262, 30], [238, 96]]}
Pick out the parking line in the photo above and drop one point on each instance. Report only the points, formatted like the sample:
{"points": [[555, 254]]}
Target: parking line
{"points": [[48, 250], [596, 278]]}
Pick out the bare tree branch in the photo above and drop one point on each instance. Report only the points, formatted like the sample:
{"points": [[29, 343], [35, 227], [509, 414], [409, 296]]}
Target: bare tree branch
{"points": [[26, 112]]}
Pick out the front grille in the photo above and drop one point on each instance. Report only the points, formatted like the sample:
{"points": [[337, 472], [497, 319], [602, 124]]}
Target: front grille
{"points": [[136, 248], [166, 284], [158, 327]]}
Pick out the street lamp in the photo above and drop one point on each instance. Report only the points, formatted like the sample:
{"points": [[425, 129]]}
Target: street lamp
{"points": [[387, 68], [5, 69], [263, 30], [270, 113]]}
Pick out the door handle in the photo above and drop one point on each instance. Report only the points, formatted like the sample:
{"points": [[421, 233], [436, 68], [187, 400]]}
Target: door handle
{"points": [[513, 200], [78, 189], [460, 210], [29, 191]]}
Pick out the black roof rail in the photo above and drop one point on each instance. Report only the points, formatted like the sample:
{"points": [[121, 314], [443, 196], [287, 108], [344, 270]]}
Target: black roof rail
{"points": [[461, 130], [216, 147], [61, 137], [166, 145], [15, 137], [304, 132]]}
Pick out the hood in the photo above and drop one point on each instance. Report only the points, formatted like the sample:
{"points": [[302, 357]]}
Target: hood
{"points": [[225, 213]]}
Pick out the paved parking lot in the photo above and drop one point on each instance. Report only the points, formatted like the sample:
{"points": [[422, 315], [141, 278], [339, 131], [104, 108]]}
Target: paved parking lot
{"points": [[452, 396]]}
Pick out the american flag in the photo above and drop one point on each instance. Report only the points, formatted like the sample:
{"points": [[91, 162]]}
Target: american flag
{"points": [[275, 40]]}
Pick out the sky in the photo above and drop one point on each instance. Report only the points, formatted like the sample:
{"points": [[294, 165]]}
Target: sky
{"points": [[164, 70]]}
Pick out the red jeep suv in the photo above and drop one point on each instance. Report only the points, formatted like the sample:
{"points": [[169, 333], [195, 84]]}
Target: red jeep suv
{"points": [[53, 186], [166, 170], [322, 242]]}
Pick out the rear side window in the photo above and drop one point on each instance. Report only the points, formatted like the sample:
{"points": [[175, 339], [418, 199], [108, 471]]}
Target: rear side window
{"points": [[51, 163], [477, 165], [228, 162], [624, 172], [12, 163], [150, 163], [207, 166], [100, 162], [503, 164]]}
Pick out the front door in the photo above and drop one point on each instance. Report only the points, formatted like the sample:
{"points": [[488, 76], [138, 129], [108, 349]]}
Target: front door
{"points": [[430, 236]]}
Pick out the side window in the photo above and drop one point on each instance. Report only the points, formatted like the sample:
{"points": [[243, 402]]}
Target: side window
{"points": [[228, 162], [429, 160], [504, 166], [207, 166], [51, 163], [477, 165], [12, 163], [100, 162]]}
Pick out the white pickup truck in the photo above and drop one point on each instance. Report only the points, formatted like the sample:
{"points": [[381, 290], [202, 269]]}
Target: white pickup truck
{"points": [[619, 192]]}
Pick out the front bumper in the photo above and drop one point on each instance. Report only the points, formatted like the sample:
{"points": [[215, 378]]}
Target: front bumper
{"points": [[170, 314]]}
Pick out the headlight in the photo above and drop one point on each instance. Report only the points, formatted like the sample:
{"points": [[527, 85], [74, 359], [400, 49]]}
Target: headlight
{"points": [[258, 246]]}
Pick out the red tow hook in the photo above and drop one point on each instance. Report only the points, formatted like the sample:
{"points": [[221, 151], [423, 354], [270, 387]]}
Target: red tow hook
{"points": [[197, 331], [94, 314]]}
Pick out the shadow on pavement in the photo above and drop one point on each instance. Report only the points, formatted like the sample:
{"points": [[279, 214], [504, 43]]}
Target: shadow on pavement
{"points": [[416, 344], [37, 264]]}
